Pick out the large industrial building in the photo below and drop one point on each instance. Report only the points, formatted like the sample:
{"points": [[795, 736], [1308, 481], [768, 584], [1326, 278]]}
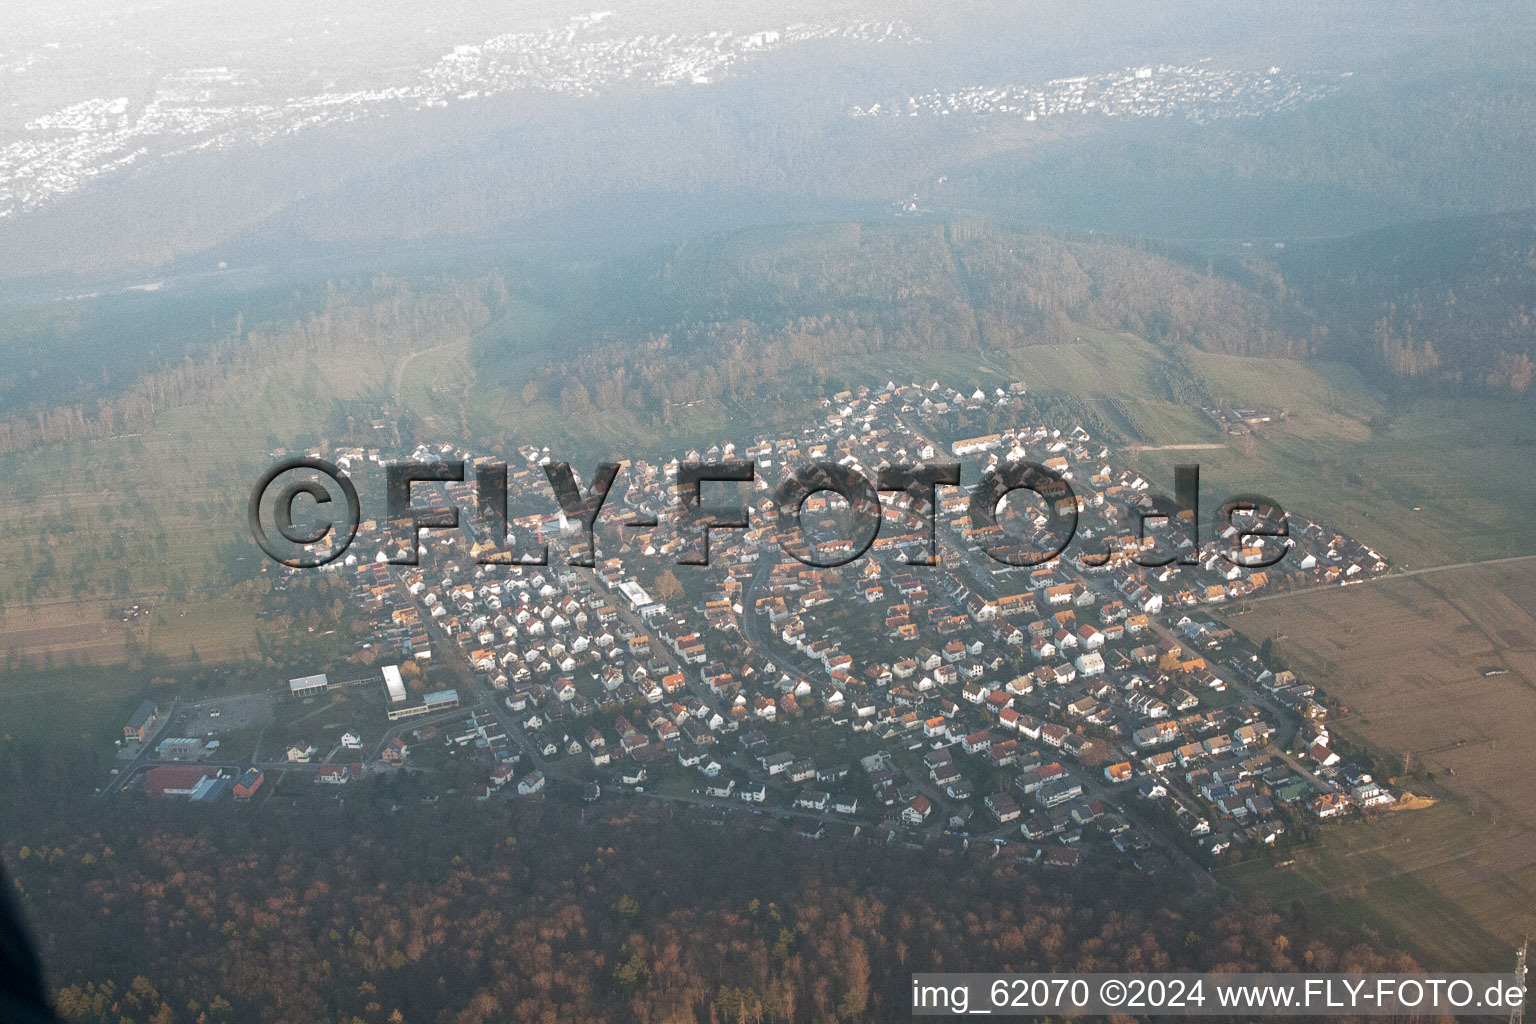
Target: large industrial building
{"points": [[399, 705], [180, 780], [394, 684]]}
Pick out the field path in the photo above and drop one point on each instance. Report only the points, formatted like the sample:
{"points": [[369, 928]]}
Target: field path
{"points": [[1427, 570], [407, 359], [1201, 447]]}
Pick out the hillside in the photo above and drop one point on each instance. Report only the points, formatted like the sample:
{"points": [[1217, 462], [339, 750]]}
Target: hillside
{"points": [[1451, 301], [726, 335], [749, 314]]}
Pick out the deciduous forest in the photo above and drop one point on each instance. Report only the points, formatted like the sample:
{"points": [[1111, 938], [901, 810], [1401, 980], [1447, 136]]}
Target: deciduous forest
{"points": [[465, 913]]}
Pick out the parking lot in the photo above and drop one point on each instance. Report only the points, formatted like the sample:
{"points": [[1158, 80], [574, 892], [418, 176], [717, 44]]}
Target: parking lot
{"points": [[229, 714]]}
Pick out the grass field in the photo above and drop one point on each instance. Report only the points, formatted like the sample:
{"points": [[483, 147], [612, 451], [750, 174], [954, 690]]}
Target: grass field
{"points": [[1426, 481], [1320, 399], [151, 517], [1452, 886], [213, 631], [1408, 657], [1103, 363], [1430, 485], [83, 708], [67, 633]]}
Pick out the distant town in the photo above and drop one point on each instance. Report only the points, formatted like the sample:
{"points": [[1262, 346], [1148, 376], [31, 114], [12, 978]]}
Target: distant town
{"points": [[207, 109], [1091, 707], [1197, 92], [214, 108]]}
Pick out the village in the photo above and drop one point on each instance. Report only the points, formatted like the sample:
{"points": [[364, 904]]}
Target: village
{"points": [[1090, 706]]}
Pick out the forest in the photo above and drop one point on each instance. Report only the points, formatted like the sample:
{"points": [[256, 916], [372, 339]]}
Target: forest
{"points": [[753, 316], [113, 364], [748, 317], [1451, 301], [1426, 124], [384, 910]]}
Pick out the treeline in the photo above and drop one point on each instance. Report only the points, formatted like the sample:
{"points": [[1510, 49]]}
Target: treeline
{"points": [[132, 410], [1450, 302], [467, 913], [356, 317], [752, 317], [1029, 286]]}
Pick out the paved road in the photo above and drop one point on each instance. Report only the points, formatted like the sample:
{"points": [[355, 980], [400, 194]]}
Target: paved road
{"points": [[1095, 789], [125, 775], [484, 699], [1285, 721], [752, 631]]}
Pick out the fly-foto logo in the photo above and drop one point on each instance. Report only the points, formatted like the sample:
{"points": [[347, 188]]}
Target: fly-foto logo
{"points": [[335, 514]]}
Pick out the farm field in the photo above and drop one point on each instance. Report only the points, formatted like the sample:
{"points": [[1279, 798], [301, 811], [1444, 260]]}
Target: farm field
{"points": [[150, 512], [1410, 658], [157, 518], [1452, 886], [65, 633]]}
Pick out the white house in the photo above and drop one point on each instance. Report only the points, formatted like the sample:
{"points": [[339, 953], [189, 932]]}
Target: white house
{"points": [[1090, 663]]}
